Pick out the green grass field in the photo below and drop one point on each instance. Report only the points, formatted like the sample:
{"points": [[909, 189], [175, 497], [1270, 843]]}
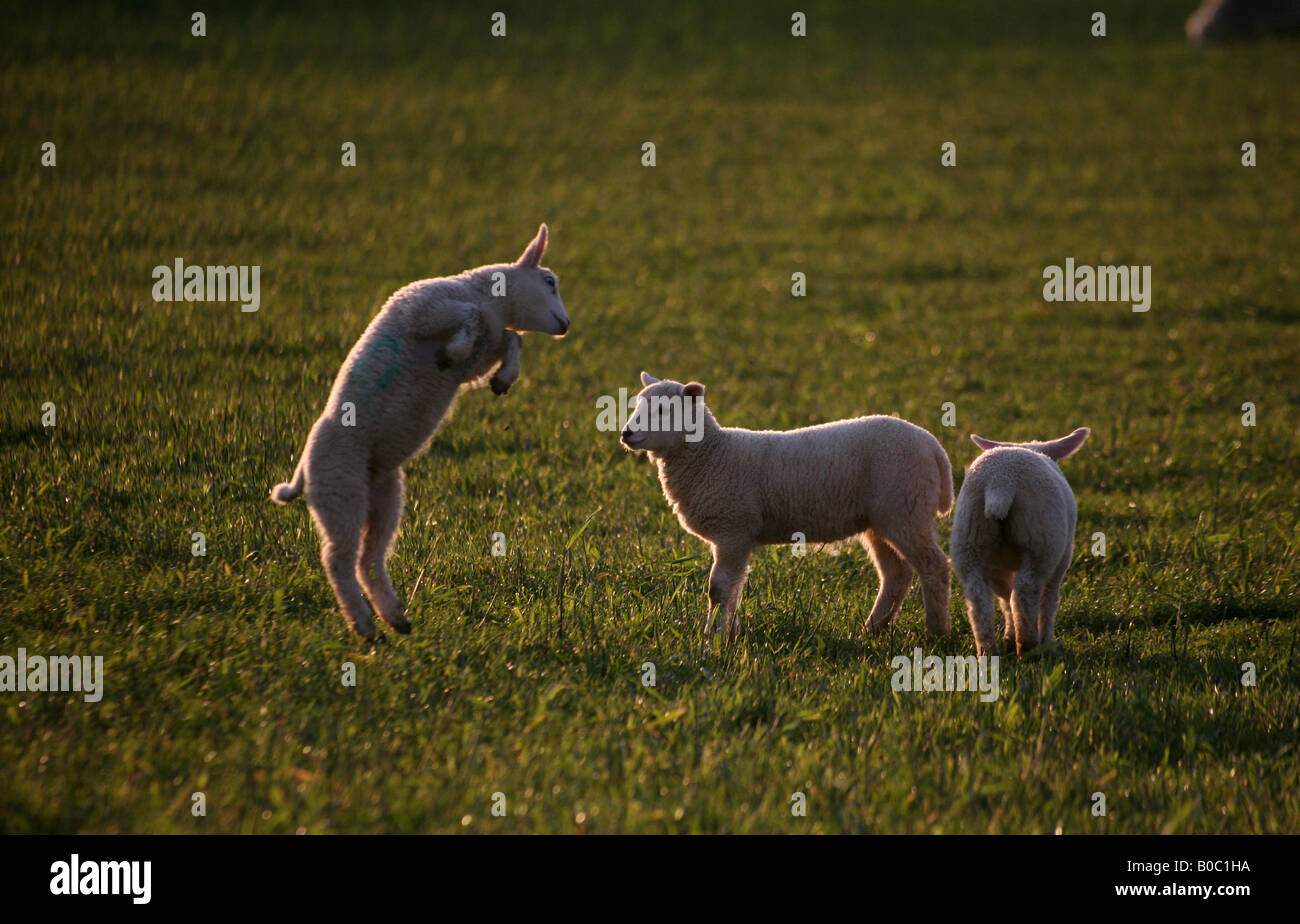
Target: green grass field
{"points": [[775, 155]]}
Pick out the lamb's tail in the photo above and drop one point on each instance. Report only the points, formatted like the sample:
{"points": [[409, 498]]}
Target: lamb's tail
{"points": [[997, 500], [945, 480], [288, 490]]}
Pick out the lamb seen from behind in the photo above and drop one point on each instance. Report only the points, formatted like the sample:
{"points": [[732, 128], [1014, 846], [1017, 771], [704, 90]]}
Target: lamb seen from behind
{"points": [[1013, 537], [394, 389], [880, 479]]}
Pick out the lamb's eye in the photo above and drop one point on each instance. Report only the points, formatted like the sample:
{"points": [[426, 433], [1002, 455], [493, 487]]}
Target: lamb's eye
{"points": [[550, 281]]}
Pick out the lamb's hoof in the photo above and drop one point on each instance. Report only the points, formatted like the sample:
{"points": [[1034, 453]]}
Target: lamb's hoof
{"points": [[499, 387], [735, 631], [365, 629], [400, 626], [1042, 650]]}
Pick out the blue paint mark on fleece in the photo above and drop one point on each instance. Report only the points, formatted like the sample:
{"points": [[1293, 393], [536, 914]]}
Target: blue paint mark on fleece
{"points": [[385, 361]]}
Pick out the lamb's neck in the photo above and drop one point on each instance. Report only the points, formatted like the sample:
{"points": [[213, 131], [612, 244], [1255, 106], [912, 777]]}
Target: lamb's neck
{"points": [[685, 467], [476, 283], [476, 287]]}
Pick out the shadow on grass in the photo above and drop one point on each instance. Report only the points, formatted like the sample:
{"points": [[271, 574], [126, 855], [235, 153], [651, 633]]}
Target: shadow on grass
{"points": [[1153, 718], [1234, 311], [31, 435], [1226, 609]]}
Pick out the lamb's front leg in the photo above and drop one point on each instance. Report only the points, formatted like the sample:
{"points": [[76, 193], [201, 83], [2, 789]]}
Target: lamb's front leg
{"points": [[508, 374], [453, 325], [726, 581]]}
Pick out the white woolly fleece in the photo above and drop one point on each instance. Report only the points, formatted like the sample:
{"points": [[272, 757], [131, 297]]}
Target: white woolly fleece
{"points": [[880, 479], [394, 389], [1013, 537]]}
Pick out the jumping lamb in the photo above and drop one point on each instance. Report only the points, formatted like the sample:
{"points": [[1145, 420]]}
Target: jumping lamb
{"points": [[880, 479], [394, 389], [1013, 536]]}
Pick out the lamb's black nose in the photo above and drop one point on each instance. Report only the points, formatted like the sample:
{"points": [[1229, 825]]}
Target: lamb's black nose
{"points": [[626, 434]]}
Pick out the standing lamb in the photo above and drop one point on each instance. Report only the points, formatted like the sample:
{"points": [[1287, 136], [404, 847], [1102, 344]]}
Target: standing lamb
{"points": [[879, 479], [396, 386], [1013, 535]]}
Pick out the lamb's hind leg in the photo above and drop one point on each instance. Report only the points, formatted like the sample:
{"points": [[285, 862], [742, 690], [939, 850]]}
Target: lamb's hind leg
{"points": [[895, 579], [387, 495], [1026, 603], [1002, 587], [923, 554], [338, 507], [1052, 600], [979, 606]]}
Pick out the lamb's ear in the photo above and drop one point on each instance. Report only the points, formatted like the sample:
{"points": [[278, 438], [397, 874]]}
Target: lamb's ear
{"points": [[1066, 446], [982, 443], [647, 380], [693, 390], [532, 255]]}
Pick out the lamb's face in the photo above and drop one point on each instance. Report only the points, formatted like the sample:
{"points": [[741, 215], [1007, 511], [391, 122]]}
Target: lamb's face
{"points": [[668, 416], [533, 292]]}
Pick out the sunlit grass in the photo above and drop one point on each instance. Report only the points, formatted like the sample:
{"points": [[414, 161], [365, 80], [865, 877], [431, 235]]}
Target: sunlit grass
{"points": [[523, 675]]}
